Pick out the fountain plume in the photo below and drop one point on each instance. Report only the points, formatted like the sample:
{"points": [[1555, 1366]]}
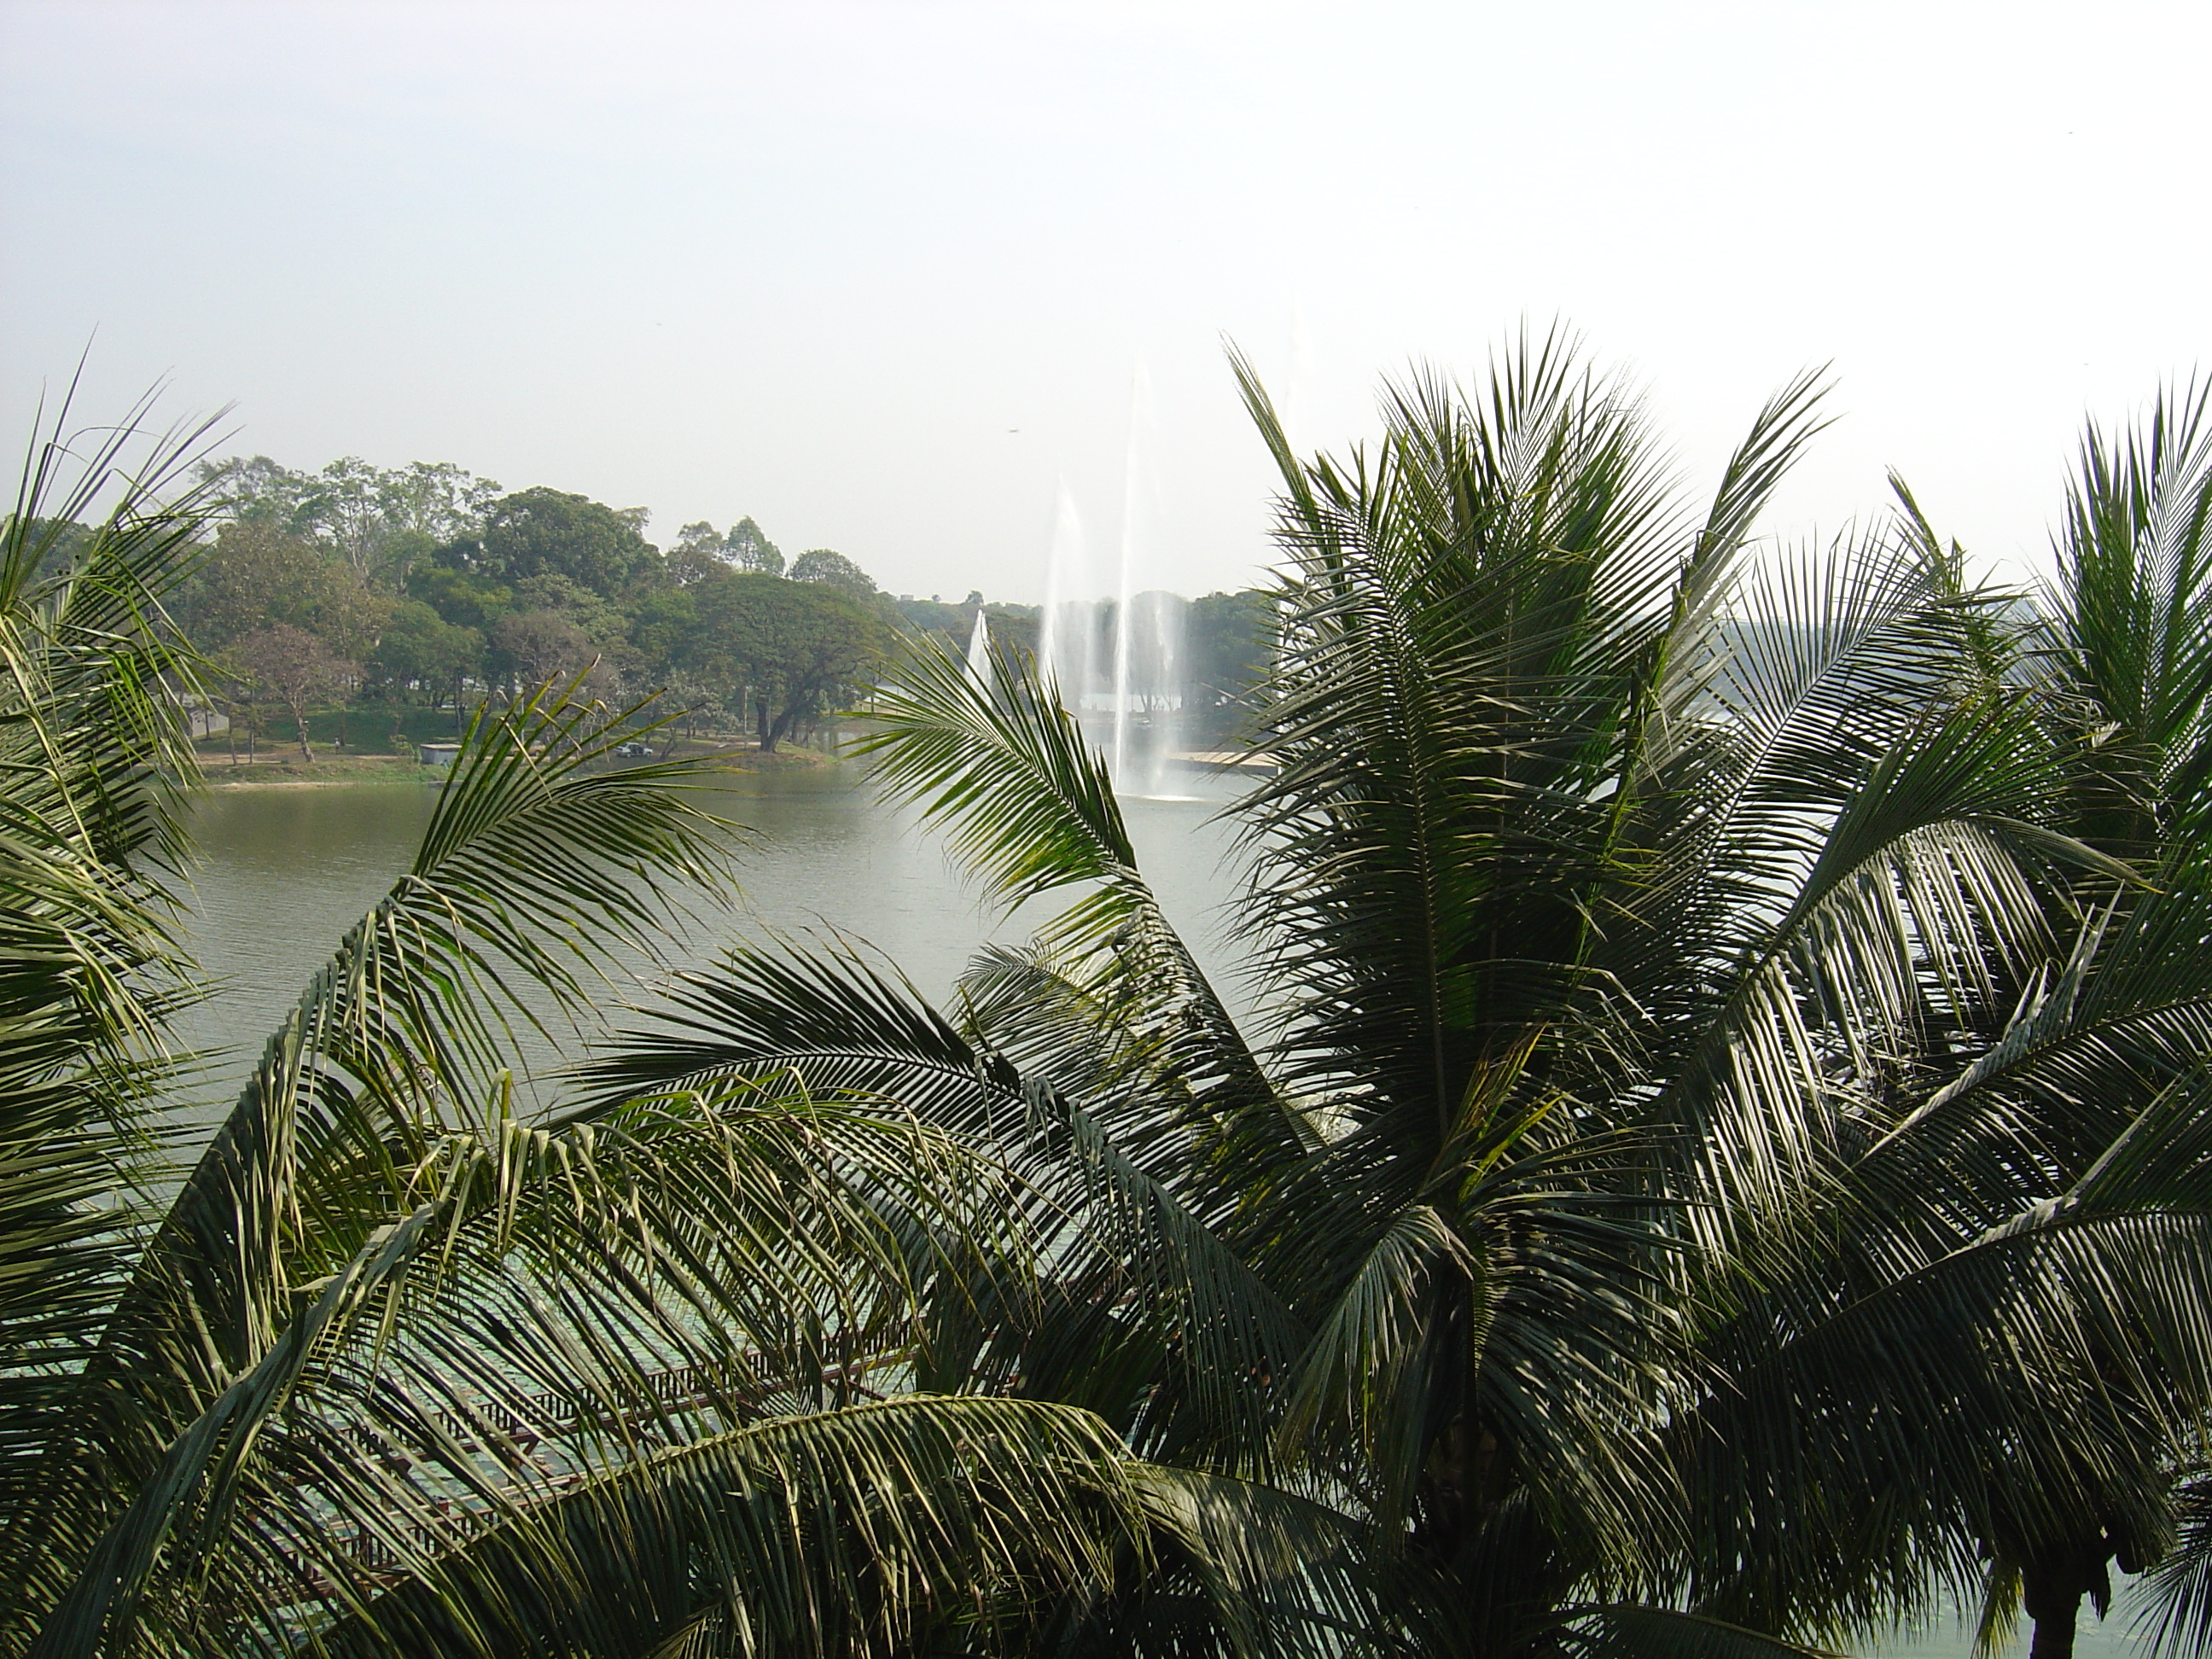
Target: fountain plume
{"points": [[1116, 656], [979, 649], [1124, 611], [1063, 636]]}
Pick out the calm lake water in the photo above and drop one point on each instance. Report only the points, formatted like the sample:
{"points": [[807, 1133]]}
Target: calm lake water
{"points": [[284, 872]]}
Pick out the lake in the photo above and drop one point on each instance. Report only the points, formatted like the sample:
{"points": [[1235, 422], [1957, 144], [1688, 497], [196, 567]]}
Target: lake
{"points": [[284, 872]]}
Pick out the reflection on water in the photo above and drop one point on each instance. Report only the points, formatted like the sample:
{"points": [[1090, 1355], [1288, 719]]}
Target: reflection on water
{"points": [[284, 872]]}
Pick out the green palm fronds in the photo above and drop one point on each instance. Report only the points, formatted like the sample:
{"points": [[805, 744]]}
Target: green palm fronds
{"points": [[1724, 1159], [1720, 1168], [94, 757]]}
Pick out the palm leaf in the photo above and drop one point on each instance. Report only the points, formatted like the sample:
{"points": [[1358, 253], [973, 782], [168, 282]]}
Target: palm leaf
{"points": [[391, 1047], [94, 754]]}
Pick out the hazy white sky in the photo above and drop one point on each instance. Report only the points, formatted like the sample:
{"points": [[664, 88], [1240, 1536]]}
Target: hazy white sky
{"points": [[877, 274]]}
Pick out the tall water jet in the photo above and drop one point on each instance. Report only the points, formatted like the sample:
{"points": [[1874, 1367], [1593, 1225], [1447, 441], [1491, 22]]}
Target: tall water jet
{"points": [[1125, 628], [979, 650], [1064, 632], [1109, 639], [1157, 687]]}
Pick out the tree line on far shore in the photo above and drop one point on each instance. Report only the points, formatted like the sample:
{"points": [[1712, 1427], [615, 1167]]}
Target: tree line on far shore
{"points": [[360, 601]]}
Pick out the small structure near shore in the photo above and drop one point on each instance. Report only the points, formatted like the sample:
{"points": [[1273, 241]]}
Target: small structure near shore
{"points": [[1250, 763], [437, 753]]}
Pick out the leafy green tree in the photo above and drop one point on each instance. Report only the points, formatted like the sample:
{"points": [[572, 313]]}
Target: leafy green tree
{"points": [[833, 569], [256, 487], [933, 617], [1227, 635], [602, 622], [549, 532], [1013, 627], [342, 504], [264, 590], [749, 549], [528, 647], [420, 648], [295, 667], [259, 575], [380, 520], [791, 651], [434, 499], [696, 554], [451, 583], [661, 626]]}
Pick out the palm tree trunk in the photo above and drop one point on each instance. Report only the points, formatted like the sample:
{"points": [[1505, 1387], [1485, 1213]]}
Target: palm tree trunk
{"points": [[2054, 1629], [2052, 1583]]}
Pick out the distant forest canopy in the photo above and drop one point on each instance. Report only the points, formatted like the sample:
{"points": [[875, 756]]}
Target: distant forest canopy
{"points": [[427, 585]]}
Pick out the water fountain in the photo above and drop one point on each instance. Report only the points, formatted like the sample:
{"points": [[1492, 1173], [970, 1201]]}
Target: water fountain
{"points": [[979, 650], [1132, 510], [1118, 663], [1068, 632], [1064, 632]]}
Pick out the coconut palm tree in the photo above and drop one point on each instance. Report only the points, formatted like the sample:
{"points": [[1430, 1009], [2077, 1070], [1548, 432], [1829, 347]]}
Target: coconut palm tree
{"points": [[2118, 650], [391, 1364], [93, 754], [2045, 1188], [1718, 1158]]}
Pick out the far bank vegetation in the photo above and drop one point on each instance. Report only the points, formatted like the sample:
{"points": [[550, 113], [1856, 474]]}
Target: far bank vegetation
{"points": [[359, 610]]}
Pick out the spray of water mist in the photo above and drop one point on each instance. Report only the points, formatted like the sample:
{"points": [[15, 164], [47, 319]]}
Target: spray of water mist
{"points": [[1064, 633], [1126, 688], [1133, 481], [979, 648]]}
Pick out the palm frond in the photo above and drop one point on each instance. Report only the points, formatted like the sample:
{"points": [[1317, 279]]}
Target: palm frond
{"points": [[559, 1304], [1620, 1630], [996, 763], [2179, 1619], [1102, 1160], [393, 1048], [2062, 1349], [95, 760], [863, 1530], [2131, 618]]}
